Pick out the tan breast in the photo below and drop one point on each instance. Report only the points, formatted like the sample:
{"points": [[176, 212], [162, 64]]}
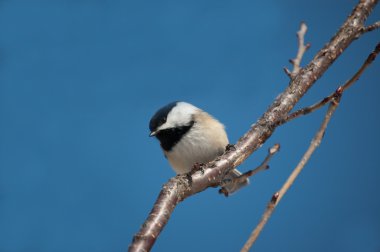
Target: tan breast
{"points": [[204, 142]]}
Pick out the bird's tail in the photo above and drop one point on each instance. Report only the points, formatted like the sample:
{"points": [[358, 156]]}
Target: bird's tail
{"points": [[233, 183]]}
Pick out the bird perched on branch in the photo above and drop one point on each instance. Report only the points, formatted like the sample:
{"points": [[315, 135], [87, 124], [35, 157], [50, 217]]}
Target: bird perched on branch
{"points": [[189, 135]]}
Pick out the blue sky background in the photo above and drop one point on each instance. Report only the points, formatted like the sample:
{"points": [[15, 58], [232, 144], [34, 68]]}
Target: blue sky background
{"points": [[79, 81]]}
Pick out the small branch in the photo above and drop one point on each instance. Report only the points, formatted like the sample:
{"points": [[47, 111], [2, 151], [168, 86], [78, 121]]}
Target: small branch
{"points": [[312, 108], [278, 195], [302, 48], [371, 27], [263, 166], [307, 110], [288, 73]]}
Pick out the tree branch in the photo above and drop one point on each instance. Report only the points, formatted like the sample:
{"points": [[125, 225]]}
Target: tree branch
{"points": [[372, 27], [307, 110], [263, 166], [278, 195], [302, 48], [179, 188]]}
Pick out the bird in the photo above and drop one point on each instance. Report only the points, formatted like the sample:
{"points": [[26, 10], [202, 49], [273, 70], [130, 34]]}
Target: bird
{"points": [[188, 136]]}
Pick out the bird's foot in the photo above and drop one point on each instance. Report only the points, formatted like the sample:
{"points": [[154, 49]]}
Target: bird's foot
{"points": [[198, 167]]}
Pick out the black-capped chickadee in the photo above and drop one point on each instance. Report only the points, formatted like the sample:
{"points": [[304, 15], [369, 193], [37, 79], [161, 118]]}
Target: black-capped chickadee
{"points": [[188, 135]]}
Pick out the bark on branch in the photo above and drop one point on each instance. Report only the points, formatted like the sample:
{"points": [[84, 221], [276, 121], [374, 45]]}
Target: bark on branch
{"points": [[212, 174]]}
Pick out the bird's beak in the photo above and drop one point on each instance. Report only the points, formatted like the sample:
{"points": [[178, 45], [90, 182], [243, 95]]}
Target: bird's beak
{"points": [[153, 133]]}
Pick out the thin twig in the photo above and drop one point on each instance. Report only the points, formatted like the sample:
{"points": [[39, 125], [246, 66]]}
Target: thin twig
{"points": [[263, 166], [307, 110], [278, 195], [371, 27], [288, 73], [302, 48]]}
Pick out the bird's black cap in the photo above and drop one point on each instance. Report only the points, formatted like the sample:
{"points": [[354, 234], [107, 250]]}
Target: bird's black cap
{"points": [[160, 116]]}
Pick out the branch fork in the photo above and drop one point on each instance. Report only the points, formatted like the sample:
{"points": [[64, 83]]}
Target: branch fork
{"points": [[263, 166], [302, 48]]}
